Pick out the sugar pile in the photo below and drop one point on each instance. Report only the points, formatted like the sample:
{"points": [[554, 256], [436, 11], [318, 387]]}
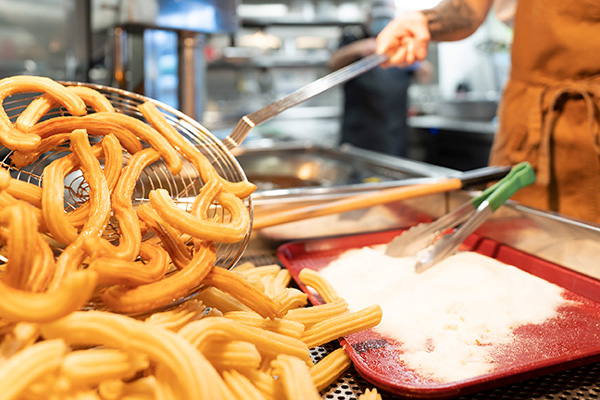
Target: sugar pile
{"points": [[450, 316]]}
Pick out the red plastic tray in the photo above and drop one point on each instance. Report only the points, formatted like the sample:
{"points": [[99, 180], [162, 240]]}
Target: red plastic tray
{"points": [[569, 340]]}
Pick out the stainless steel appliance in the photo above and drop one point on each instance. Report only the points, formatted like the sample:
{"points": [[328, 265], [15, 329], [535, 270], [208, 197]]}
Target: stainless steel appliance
{"points": [[45, 37]]}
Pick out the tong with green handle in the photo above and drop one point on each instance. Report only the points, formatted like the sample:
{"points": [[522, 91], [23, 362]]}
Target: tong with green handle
{"points": [[465, 219]]}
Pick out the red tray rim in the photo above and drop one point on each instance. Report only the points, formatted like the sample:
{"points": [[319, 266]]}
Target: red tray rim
{"points": [[571, 280]]}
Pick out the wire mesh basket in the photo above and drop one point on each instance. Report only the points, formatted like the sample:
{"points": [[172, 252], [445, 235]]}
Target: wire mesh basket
{"points": [[183, 187]]}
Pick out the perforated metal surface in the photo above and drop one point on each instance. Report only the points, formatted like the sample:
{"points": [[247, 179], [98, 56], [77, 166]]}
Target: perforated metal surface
{"points": [[581, 383]]}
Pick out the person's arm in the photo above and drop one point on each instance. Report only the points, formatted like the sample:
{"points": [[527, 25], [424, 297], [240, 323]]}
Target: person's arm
{"points": [[351, 52], [406, 38], [456, 19]]}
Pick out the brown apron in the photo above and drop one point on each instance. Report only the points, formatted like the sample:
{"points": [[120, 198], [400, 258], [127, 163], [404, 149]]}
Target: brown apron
{"points": [[549, 114]]}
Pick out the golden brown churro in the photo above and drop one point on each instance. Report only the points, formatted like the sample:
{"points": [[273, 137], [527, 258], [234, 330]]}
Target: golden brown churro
{"points": [[205, 332], [146, 133], [55, 217], [153, 295], [113, 164], [191, 153], [43, 268], [91, 367], [295, 377], [370, 394], [17, 140], [30, 365], [241, 386], [98, 188], [21, 238], [312, 278], [170, 239], [41, 105], [94, 126], [239, 288], [194, 376], [28, 192], [329, 368], [72, 293], [129, 227], [342, 325], [152, 267], [22, 159], [228, 232]]}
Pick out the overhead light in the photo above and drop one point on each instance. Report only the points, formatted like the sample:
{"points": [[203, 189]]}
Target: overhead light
{"points": [[260, 40]]}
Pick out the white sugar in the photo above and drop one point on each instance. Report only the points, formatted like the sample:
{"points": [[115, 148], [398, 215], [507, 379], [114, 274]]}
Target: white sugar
{"points": [[450, 316]]}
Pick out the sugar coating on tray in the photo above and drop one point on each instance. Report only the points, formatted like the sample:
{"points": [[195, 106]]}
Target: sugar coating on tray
{"points": [[449, 318]]}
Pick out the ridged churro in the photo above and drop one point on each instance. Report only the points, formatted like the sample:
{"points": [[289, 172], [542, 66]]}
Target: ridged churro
{"points": [[153, 295], [191, 153], [41, 105], [15, 139]]}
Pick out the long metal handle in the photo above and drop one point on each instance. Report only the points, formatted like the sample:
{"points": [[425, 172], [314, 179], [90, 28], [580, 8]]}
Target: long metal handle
{"points": [[304, 93], [314, 88]]}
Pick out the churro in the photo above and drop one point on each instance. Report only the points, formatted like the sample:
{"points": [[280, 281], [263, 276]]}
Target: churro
{"points": [[94, 126], [227, 232], [169, 237], [29, 365], [153, 295], [191, 153], [295, 377], [329, 368], [151, 268], [13, 138], [41, 105], [129, 227], [194, 376], [239, 288]]}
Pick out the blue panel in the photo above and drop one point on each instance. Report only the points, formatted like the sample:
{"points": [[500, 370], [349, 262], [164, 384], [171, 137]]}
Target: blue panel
{"points": [[209, 16], [160, 65]]}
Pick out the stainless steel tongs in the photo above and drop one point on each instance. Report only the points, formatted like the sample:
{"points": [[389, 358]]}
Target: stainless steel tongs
{"points": [[421, 239]]}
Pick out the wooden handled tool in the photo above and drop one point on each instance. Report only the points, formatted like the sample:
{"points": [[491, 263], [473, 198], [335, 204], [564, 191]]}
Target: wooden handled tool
{"points": [[384, 196]]}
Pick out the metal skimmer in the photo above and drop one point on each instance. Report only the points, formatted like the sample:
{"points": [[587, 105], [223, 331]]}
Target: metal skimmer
{"points": [[183, 187]]}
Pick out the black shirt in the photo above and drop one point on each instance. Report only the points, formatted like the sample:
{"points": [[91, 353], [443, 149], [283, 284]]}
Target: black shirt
{"points": [[375, 107]]}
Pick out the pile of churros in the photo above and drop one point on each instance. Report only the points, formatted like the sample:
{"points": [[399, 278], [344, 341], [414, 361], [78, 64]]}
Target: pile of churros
{"points": [[245, 335]]}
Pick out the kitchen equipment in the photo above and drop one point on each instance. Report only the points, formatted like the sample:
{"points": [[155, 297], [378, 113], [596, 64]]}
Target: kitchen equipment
{"points": [[567, 341], [419, 238], [289, 172], [285, 172], [378, 197], [306, 92]]}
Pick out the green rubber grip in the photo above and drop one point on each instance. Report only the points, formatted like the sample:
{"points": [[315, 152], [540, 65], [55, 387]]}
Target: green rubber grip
{"points": [[520, 175]]}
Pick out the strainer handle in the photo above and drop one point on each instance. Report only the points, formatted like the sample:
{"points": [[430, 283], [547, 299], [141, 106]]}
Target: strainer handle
{"points": [[306, 92]]}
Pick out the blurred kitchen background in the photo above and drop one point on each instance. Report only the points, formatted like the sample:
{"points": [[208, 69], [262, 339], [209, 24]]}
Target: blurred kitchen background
{"points": [[218, 60]]}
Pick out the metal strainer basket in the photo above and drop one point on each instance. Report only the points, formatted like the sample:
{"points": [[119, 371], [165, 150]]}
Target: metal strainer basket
{"points": [[183, 188]]}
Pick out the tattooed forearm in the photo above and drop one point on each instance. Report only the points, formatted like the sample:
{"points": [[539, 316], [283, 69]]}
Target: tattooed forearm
{"points": [[451, 18]]}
